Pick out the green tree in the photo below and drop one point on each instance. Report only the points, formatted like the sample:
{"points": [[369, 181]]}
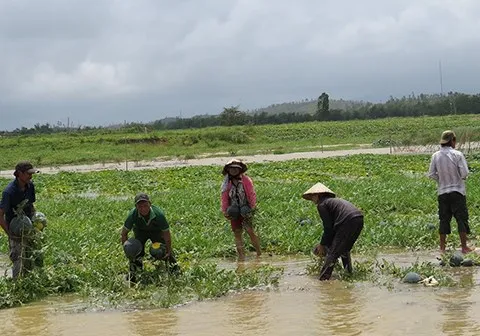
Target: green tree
{"points": [[323, 107], [232, 116]]}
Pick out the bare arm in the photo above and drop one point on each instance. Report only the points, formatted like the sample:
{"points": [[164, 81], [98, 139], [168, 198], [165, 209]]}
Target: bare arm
{"points": [[124, 235], [3, 222], [168, 242]]}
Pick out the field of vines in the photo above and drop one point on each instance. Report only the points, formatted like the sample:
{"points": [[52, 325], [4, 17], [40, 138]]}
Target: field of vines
{"points": [[86, 211], [101, 146]]}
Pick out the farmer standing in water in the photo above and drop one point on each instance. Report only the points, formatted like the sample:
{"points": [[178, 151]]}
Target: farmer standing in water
{"points": [[342, 224], [238, 199]]}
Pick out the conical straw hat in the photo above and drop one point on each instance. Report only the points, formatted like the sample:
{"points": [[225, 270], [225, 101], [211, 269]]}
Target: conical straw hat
{"points": [[318, 188]]}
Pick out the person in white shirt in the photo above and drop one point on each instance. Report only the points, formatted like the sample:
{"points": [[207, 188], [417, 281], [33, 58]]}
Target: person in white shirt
{"points": [[449, 168]]}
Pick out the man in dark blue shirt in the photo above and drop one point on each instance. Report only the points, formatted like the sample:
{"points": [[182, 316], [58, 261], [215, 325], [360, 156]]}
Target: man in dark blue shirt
{"points": [[20, 192]]}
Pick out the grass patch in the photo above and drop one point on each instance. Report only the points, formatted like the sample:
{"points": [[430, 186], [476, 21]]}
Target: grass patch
{"points": [[84, 147]]}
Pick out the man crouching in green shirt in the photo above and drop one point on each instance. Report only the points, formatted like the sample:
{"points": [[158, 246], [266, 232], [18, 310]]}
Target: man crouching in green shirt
{"points": [[147, 222]]}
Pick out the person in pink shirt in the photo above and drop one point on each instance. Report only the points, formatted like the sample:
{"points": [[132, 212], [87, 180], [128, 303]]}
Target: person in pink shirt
{"points": [[238, 204]]}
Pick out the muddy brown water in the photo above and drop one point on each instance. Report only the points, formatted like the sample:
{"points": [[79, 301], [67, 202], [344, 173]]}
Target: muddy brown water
{"points": [[300, 306]]}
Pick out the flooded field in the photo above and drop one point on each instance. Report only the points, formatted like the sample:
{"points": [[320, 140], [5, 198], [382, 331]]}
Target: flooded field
{"points": [[300, 306]]}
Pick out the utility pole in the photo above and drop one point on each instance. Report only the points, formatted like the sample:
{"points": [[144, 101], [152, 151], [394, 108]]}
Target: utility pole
{"points": [[126, 145], [441, 77]]}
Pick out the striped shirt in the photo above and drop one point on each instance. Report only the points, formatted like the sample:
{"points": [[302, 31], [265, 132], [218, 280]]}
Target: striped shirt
{"points": [[449, 168]]}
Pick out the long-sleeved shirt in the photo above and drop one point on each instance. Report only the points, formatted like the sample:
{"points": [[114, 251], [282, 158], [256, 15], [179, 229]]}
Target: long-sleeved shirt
{"points": [[248, 188], [449, 168], [335, 212]]}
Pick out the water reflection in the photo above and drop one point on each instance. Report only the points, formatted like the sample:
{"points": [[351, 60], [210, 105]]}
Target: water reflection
{"points": [[301, 305], [338, 308], [28, 320], [247, 313], [155, 322], [457, 307]]}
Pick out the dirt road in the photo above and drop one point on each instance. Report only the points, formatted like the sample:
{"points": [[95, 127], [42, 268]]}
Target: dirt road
{"points": [[138, 165]]}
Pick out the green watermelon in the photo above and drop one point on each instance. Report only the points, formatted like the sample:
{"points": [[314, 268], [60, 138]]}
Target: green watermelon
{"points": [[158, 250], [233, 211], [39, 220], [245, 211], [132, 248], [21, 226], [456, 260], [412, 277], [467, 262]]}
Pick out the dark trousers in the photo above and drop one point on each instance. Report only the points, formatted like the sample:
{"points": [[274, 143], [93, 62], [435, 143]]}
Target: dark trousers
{"points": [[344, 237], [25, 253], [451, 205]]}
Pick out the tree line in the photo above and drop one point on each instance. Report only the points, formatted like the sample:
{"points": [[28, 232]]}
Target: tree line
{"points": [[411, 106], [319, 110]]}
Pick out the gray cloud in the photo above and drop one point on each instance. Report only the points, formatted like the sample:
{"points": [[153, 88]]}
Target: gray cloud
{"points": [[105, 61]]}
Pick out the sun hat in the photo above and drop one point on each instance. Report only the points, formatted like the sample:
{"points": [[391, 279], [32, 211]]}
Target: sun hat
{"points": [[447, 136], [318, 188], [140, 197], [235, 163]]}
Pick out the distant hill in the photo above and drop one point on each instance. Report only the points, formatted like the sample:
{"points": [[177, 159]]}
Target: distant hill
{"points": [[307, 106]]}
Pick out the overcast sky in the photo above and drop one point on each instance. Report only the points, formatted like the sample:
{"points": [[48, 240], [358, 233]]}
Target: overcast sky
{"points": [[100, 62]]}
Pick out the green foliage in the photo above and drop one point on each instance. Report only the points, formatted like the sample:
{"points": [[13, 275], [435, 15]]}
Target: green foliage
{"points": [[134, 145], [386, 273], [323, 107], [295, 112], [86, 211], [232, 116]]}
